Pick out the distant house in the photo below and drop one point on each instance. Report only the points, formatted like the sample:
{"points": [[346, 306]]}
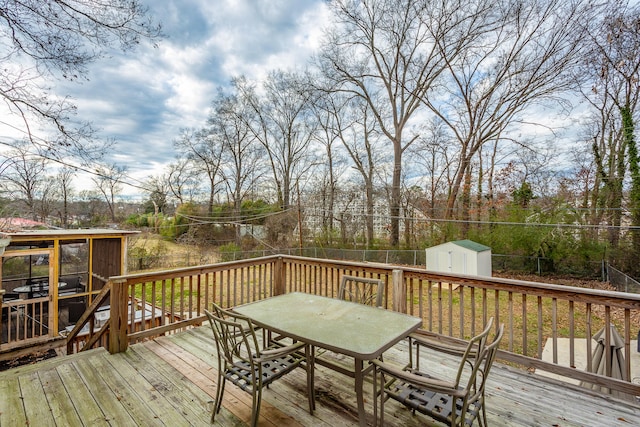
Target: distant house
{"points": [[460, 257], [17, 224]]}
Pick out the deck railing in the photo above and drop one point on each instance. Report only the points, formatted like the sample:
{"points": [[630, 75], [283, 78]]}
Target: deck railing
{"points": [[23, 322], [537, 316]]}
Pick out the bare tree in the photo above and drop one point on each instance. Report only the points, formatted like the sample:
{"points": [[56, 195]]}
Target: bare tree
{"points": [[64, 181], [158, 191], [91, 208], [360, 137], [205, 152], [390, 52], [283, 123], [48, 197], [59, 39], [241, 157], [25, 178], [107, 181], [582, 182], [609, 155], [328, 112], [527, 58], [182, 180], [349, 214], [411, 196], [432, 156]]}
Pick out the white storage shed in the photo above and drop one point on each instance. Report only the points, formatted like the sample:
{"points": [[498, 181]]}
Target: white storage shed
{"points": [[460, 257]]}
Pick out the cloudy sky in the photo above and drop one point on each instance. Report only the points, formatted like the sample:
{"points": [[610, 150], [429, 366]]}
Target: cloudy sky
{"points": [[143, 99]]}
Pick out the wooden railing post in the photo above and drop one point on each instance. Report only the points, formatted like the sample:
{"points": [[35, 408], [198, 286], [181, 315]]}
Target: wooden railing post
{"points": [[279, 286], [118, 340], [399, 291]]}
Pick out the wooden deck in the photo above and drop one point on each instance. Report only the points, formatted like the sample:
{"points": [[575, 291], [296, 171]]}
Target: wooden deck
{"points": [[170, 382]]}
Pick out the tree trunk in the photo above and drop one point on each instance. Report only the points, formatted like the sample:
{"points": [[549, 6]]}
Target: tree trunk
{"points": [[369, 215], [634, 169], [466, 204], [454, 190], [394, 207]]}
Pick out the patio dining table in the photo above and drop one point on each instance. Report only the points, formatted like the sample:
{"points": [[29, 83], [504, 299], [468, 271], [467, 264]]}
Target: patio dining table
{"points": [[360, 331], [37, 290]]}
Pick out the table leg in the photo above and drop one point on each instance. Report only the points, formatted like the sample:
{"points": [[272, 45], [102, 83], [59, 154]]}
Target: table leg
{"points": [[359, 377]]}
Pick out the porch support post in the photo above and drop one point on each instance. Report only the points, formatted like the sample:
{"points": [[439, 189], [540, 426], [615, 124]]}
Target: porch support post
{"points": [[118, 341], [2, 291], [399, 291]]}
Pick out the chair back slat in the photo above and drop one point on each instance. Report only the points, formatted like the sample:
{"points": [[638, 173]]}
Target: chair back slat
{"points": [[362, 290], [486, 362], [474, 354], [235, 336], [457, 402]]}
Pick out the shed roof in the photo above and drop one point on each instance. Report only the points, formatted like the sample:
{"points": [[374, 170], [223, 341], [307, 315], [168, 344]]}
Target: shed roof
{"points": [[65, 234], [471, 245]]}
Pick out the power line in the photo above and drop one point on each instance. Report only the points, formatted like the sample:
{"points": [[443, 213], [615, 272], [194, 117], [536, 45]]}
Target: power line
{"points": [[496, 223], [230, 219], [233, 220], [64, 163]]}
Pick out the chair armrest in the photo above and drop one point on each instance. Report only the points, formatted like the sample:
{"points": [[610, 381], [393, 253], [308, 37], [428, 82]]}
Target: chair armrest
{"points": [[441, 343], [272, 353], [423, 381]]}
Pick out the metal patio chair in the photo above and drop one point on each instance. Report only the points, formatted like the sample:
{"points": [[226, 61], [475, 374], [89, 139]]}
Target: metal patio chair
{"points": [[242, 362], [362, 290], [456, 401]]}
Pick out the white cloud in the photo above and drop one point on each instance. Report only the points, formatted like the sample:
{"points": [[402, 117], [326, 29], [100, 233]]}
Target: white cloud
{"points": [[143, 98]]}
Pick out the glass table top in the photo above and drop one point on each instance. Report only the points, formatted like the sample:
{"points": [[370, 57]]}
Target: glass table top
{"points": [[345, 327]]}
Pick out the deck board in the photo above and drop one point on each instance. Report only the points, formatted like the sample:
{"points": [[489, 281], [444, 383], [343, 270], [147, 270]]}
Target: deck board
{"points": [[199, 376], [126, 395], [145, 394], [170, 381], [62, 410], [11, 407], [182, 395], [76, 392], [189, 358], [36, 410], [110, 403]]}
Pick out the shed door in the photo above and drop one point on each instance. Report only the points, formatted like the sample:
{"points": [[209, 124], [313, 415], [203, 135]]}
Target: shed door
{"points": [[445, 261], [455, 262]]}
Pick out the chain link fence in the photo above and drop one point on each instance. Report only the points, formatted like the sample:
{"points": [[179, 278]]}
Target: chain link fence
{"points": [[168, 261], [621, 281], [594, 270], [502, 263]]}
